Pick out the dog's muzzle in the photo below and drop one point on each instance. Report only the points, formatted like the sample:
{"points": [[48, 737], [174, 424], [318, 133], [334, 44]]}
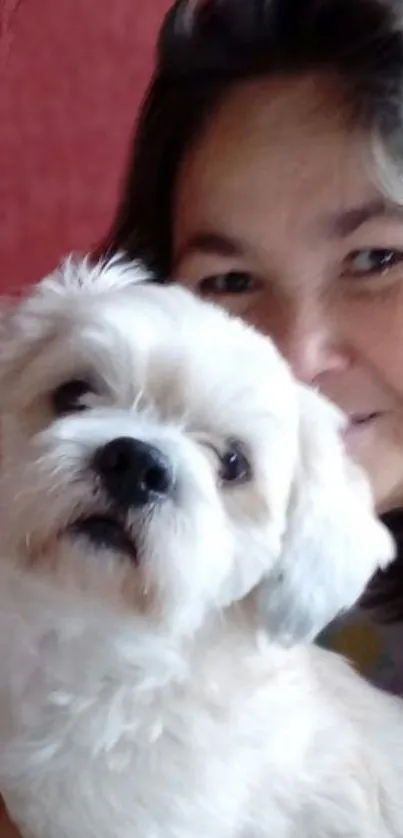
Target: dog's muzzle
{"points": [[133, 473]]}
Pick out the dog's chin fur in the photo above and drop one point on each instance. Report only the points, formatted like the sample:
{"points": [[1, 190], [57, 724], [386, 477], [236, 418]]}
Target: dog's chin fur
{"points": [[166, 686]]}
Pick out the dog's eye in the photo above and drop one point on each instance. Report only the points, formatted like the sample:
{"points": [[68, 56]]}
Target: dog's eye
{"points": [[235, 467], [70, 397]]}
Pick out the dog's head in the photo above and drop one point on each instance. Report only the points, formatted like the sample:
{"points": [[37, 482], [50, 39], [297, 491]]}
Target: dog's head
{"points": [[157, 455]]}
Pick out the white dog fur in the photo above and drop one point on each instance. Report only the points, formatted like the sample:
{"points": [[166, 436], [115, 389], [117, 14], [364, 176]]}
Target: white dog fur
{"points": [[177, 693]]}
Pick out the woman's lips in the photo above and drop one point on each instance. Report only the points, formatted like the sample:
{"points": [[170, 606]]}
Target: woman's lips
{"points": [[360, 423], [361, 419]]}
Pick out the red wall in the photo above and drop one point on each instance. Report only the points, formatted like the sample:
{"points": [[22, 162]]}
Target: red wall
{"points": [[72, 73]]}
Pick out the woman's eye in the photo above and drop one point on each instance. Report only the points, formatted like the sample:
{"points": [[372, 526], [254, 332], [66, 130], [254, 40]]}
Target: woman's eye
{"points": [[71, 397], [370, 262], [235, 467], [231, 282]]}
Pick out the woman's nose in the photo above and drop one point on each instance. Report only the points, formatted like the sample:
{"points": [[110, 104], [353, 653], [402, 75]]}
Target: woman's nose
{"points": [[310, 340]]}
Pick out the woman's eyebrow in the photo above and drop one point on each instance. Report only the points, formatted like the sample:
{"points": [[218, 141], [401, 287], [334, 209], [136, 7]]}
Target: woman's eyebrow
{"points": [[210, 243], [339, 224], [344, 223]]}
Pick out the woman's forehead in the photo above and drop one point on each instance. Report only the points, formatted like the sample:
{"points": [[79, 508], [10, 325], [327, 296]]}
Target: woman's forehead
{"points": [[276, 106], [272, 149]]}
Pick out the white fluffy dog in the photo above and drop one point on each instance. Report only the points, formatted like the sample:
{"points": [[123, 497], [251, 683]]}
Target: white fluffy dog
{"points": [[178, 520]]}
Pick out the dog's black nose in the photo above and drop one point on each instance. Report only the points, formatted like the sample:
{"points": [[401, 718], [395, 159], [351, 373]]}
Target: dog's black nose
{"points": [[133, 472]]}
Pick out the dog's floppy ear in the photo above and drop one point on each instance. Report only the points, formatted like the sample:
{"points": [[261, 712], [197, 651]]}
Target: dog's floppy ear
{"points": [[333, 541]]}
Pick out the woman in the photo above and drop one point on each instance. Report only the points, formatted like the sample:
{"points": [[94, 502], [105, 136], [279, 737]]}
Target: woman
{"points": [[267, 175]]}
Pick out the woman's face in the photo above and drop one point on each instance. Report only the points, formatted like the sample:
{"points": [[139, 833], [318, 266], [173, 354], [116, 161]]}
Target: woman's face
{"points": [[278, 218]]}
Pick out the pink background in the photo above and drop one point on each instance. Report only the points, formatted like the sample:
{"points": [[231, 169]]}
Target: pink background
{"points": [[72, 74]]}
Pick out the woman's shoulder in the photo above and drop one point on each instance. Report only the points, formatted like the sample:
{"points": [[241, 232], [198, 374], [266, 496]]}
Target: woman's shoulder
{"points": [[7, 829], [371, 636], [376, 651]]}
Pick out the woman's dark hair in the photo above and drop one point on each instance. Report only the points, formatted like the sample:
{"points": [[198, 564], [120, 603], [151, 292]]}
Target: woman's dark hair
{"points": [[384, 596], [205, 48]]}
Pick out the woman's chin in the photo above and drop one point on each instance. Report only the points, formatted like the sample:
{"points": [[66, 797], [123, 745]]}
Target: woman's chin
{"points": [[376, 448]]}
